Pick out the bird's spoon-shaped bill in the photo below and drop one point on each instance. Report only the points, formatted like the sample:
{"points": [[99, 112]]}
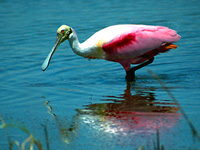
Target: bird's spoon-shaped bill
{"points": [[48, 58]]}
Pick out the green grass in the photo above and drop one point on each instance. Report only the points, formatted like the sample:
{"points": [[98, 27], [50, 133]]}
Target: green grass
{"points": [[193, 129], [30, 140], [194, 132]]}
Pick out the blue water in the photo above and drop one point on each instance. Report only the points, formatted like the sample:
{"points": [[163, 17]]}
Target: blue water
{"points": [[88, 104]]}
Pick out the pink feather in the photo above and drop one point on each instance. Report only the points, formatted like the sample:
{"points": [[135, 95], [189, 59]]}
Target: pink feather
{"points": [[132, 46]]}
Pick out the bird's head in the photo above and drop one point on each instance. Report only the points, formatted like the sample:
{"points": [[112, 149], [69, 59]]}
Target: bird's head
{"points": [[63, 33]]}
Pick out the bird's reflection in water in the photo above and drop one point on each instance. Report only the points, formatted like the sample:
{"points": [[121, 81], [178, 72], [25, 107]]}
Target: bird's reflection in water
{"points": [[133, 116], [131, 113]]}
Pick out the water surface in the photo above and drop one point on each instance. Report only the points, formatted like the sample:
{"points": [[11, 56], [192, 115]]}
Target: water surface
{"points": [[88, 104]]}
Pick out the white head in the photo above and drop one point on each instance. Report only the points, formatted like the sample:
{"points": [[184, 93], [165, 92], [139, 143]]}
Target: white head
{"points": [[63, 33]]}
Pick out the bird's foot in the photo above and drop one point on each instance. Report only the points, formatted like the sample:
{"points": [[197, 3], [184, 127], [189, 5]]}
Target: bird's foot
{"points": [[130, 74]]}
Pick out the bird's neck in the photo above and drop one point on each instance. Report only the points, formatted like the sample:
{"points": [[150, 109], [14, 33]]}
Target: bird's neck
{"points": [[76, 46]]}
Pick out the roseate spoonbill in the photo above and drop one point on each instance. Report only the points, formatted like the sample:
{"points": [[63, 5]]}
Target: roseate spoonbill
{"points": [[126, 44]]}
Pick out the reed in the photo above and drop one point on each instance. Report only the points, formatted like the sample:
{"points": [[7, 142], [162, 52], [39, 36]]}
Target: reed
{"points": [[29, 140], [156, 142], [192, 127]]}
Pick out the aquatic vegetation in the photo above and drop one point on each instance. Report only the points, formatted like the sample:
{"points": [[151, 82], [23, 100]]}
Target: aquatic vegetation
{"points": [[29, 140], [193, 129]]}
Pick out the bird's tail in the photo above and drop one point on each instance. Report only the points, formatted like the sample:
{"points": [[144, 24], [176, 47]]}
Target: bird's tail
{"points": [[166, 47], [162, 49], [170, 46]]}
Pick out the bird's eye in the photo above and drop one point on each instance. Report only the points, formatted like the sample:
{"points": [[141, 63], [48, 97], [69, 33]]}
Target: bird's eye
{"points": [[63, 31]]}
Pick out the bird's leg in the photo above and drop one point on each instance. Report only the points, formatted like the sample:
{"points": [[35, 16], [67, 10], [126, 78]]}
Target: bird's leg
{"points": [[130, 74]]}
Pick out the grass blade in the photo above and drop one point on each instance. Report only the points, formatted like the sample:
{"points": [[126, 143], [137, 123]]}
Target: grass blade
{"points": [[193, 129]]}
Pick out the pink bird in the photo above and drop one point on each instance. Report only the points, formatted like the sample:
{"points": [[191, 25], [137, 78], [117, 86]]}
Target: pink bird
{"points": [[126, 44]]}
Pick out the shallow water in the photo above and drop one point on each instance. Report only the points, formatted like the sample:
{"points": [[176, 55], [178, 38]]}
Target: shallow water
{"points": [[88, 104]]}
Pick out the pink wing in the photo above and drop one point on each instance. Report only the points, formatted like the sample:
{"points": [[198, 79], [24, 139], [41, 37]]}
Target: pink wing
{"points": [[129, 47]]}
